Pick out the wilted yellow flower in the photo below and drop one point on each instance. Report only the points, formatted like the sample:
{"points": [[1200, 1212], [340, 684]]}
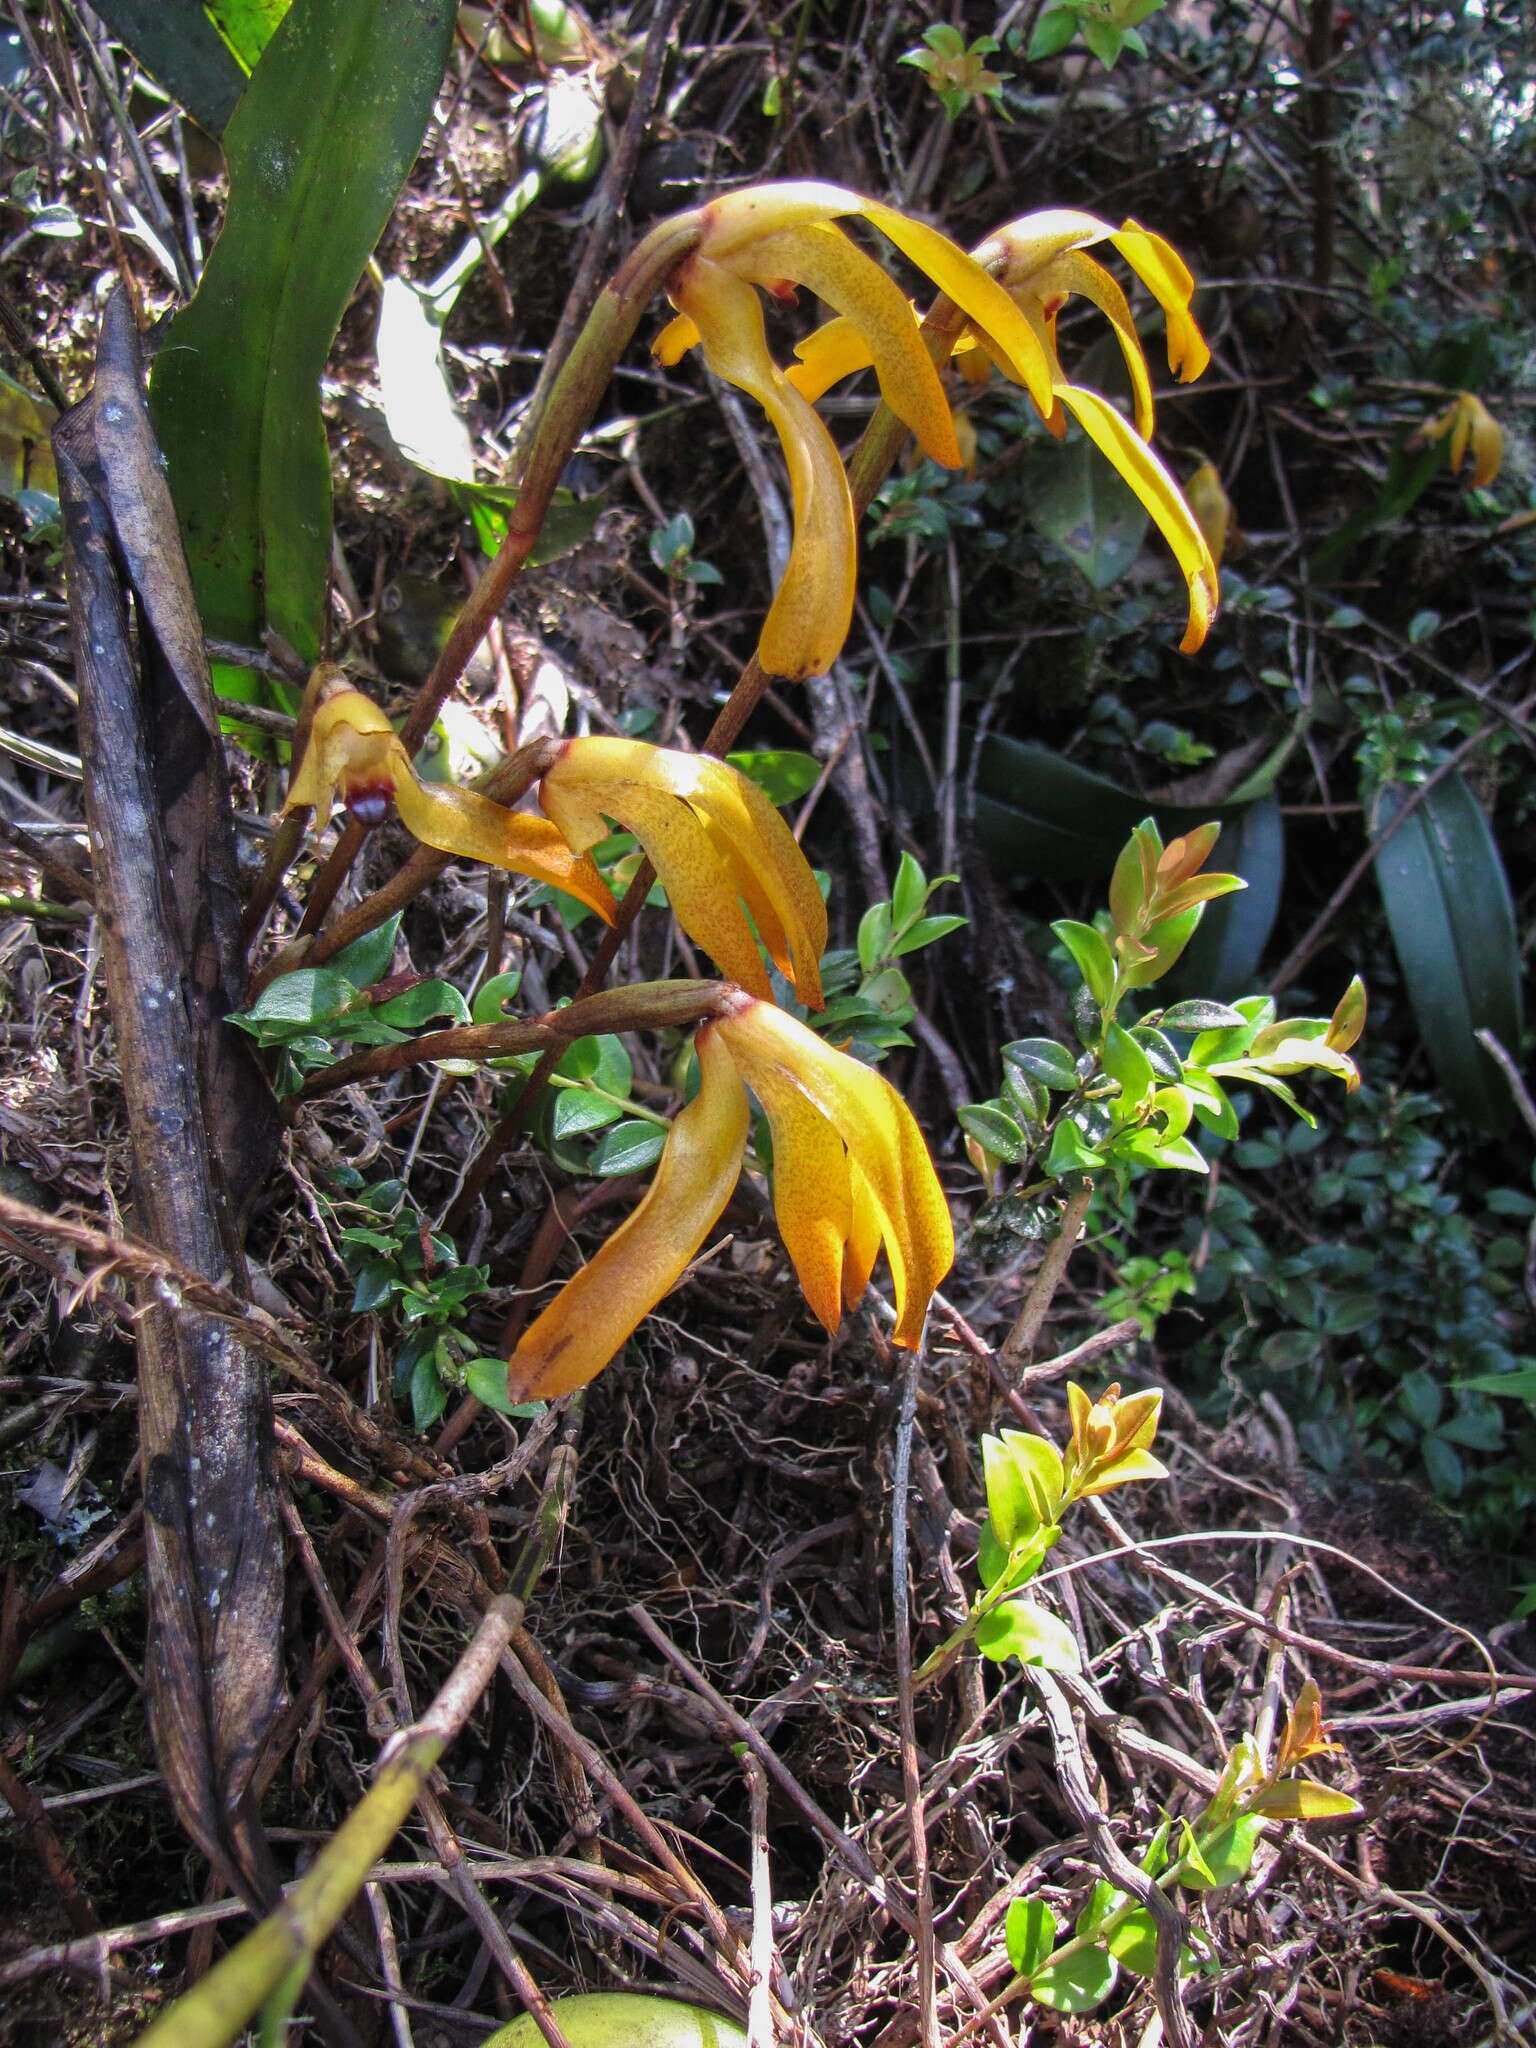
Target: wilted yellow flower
{"points": [[1206, 497], [354, 753], [850, 1173], [1467, 420], [1110, 1439], [713, 838], [1040, 262], [777, 237]]}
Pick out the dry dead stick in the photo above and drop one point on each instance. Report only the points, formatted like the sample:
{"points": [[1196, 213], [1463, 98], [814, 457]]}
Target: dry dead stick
{"points": [[911, 1770], [851, 1853], [215, 1570], [37, 1832]]}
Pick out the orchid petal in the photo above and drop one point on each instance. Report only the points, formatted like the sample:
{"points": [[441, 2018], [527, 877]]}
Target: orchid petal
{"points": [[812, 1203], [1487, 443], [1167, 277], [1039, 239], [703, 824], [863, 1247], [349, 739], [884, 1144], [823, 259], [813, 606], [737, 219], [461, 821], [1075, 272], [835, 350], [1130, 455], [962, 279], [674, 341], [592, 1315]]}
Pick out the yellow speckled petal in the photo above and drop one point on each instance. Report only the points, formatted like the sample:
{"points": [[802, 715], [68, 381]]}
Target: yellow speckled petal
{"points": [[773, 1049], [834, 351], [674, 341], [813, 607], [713, 836], [822, 258], [1167, 277], [593, 1314], [1075, 272], [738, 218], [1115, 439], [962, 279], [461, 821], [811, 1199], [863, 1247]]}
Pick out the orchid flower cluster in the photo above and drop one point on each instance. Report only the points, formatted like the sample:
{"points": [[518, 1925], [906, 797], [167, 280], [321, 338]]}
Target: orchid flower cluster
{"points": [[851, 1176]]}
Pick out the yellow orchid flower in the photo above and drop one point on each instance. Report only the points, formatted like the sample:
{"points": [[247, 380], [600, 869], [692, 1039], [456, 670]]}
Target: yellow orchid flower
{"points": [[713, 838], [589, 1320], [1110, 1440], [850, 1173], [850, 1169], [1040, 262], [779, 236], [1466, 419], [353, 753]]}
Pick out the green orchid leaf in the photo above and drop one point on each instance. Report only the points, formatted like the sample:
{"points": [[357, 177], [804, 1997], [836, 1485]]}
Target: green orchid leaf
{"points": [[1448, 903], [318, 147]]}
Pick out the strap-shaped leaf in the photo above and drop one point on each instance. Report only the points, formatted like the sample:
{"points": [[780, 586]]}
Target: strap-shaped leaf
{"points": [[318, 147], [1448, 903]]}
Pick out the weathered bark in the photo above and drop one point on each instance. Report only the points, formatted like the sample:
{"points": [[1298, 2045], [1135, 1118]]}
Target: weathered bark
{"points": [[202, 1121]]}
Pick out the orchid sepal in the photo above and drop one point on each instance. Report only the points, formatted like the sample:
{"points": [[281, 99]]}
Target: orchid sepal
{"points": [[715, 841]]}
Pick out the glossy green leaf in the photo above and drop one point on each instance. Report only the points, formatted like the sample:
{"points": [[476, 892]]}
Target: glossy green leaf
{"points": [[1226, 1856], [1043, 1060], [318, 147], [1018, 1628], [1090, 950], [1029, 1930], [1126, 1062], [486, 1379], [177, 43], [418, 1005], [995, 1131], [491, 999], [1448, 903], [369, 958], [633, 1146], [1070, 1151], [1077, 1984], [576, 1111], [779, 772]]}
